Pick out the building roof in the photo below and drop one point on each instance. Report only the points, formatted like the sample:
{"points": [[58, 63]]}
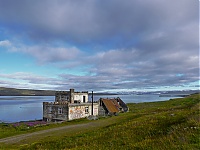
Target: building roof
{"points": [[110, 105], [122, 104], [115, 102]]}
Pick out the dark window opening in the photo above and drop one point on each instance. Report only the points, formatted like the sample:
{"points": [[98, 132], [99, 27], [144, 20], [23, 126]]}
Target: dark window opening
{"points": [[60, 111], [86, 110], [83, 99]]}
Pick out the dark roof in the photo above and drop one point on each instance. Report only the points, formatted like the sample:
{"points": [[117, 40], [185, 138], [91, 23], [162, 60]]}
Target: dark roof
{"points": [[122, 104]]}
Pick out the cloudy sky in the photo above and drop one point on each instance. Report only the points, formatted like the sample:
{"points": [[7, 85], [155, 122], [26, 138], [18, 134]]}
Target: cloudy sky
{"points": [[100, 45]]}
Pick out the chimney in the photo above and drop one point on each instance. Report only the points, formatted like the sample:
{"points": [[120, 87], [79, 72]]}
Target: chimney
{"points": [[71, 95]]}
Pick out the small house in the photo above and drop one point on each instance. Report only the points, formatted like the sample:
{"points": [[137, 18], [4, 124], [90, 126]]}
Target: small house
{"points": [[69, 105], [113, 106]]}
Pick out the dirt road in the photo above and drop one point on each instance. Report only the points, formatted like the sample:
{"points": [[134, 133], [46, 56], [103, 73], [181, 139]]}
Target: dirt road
{"points": [[39, 135]]}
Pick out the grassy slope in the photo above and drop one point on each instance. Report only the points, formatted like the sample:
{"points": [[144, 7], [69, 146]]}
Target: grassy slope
{"points": [[172, 124]]}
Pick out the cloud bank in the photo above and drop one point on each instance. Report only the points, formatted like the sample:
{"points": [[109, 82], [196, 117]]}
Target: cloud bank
{"points": [[115, 44]]}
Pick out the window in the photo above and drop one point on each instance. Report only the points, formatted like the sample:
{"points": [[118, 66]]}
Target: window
{"points": [[86, 110], [60, 111], [50, 109], [83, 99]]}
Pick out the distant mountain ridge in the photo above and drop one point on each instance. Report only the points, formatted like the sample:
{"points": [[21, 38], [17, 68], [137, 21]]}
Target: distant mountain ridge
{"points": [[175, 92], [31, 92], [25, 92]]}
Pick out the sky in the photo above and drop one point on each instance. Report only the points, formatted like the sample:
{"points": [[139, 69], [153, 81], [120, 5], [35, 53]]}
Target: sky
{"points": [[99, 45]]}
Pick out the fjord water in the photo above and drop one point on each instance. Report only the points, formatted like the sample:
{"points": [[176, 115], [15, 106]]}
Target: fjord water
{"points": [[25, 108]]}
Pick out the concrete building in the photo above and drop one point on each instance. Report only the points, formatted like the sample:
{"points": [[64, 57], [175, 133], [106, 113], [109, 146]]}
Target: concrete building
{"points": [[69, 105]]}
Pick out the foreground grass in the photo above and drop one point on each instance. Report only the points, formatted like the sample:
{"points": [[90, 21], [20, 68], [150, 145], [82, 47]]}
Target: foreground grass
{"points": [[172, 124]]}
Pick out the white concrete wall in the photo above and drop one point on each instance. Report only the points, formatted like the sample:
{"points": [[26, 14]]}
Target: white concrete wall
{"points": [[79, 111], [79, 97], [95, 109], [76, 112]]}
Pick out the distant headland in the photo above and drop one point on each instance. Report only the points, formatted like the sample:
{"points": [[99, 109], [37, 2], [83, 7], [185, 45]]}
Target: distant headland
{"points": [[31, 92], [25, 92]]}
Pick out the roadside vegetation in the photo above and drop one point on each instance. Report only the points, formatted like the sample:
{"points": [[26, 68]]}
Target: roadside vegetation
{"points": [[11, 129], [173, 124]]}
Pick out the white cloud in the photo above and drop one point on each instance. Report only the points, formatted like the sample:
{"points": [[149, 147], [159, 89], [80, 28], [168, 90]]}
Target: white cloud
{"points": [[27, 80], [47, 54], [5, 43]]}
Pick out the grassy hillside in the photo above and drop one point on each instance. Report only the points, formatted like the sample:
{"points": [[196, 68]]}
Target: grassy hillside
{"points": [[172, 124], [24, 92]]}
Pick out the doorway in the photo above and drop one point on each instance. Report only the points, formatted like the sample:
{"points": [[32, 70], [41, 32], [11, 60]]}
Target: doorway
{"points": [[83, 99]]}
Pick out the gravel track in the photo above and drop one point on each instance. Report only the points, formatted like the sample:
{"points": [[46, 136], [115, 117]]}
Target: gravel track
{"points": [[43, 133]]}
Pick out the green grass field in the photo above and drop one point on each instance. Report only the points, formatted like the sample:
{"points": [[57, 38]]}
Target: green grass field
{"points": [[167, 125]]}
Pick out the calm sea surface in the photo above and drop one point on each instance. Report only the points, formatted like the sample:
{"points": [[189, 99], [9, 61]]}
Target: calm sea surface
{"points": [[24, 108]]}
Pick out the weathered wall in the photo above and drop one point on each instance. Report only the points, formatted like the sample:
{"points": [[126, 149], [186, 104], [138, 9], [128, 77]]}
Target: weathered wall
{"points": [[71, 96], [63, 111], [62, 96], [55, 111], [76, 112], [82, 111]]}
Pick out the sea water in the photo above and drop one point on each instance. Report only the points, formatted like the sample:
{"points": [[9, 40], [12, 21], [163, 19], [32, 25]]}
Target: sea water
{"points": [[25, 108]]}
